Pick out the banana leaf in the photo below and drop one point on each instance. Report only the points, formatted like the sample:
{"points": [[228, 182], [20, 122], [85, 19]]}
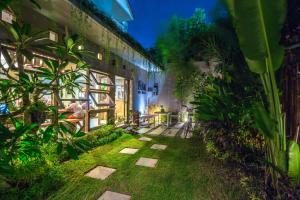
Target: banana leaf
{"points": [[258, 25], [263, 121], [294, 161]]}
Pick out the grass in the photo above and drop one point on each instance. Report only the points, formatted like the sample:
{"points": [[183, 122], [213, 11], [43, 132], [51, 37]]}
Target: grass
{"points": [[184, 172]]}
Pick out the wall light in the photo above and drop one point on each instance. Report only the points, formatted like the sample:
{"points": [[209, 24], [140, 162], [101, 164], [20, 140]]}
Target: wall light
{"points": [[53, 36], [7, 16], [100, 56]]}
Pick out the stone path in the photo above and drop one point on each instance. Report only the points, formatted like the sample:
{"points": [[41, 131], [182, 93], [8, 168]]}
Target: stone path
{"points": [[159, 146], [178, 130], [108, 195], [147, 162], [129, 151], [145, 139], [100, 172], [143, 130], [157, 131], [174, 131]]}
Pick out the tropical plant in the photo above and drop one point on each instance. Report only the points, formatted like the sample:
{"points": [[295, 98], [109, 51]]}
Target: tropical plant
{"points": [[22, 139], [176, 51], [258, 25]]}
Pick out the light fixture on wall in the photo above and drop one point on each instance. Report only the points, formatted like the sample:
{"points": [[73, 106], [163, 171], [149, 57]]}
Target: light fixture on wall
{"points": [[80, 47], [7, 16], [53, 36], [99, 56]]}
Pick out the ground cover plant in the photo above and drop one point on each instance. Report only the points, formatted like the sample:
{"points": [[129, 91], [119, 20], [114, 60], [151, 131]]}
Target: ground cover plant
{"points": [[38, 178]]}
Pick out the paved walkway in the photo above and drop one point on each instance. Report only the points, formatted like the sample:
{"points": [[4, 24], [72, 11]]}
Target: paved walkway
{"points": [[157, 131], [100, 172], [178, 130]]}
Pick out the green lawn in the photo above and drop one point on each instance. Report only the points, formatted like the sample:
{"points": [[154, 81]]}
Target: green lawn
{"points": [[183, 172]]}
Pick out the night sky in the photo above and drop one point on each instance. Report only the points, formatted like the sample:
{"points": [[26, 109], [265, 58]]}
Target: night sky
{"points": [[151, 15]]}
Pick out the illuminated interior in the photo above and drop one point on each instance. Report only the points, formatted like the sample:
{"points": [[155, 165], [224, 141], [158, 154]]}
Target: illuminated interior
{"points": [[99, 98], [121, 100]]}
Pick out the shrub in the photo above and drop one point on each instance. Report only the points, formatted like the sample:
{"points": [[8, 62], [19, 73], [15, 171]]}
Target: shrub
{"points": [[33, 180], [102, 131], [101, 136]]}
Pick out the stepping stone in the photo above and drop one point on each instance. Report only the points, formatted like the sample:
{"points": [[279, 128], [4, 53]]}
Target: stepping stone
{"points": [[100, 172], [143, 130], [108, 195], [172, 132], [159, 146], [129, 151], [157, 131], [146, 139], [179, 125], [146, 162]]}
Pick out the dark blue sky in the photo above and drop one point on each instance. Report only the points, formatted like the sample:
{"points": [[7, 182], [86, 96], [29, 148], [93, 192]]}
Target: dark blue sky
{"points": [[151, 15]]}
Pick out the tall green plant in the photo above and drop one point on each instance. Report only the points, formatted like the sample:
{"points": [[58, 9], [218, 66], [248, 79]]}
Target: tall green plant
{"points": [[22, 141], [258, 25]]}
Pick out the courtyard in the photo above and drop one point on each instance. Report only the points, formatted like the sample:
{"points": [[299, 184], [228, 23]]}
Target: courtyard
{"points": [[149, 100]]}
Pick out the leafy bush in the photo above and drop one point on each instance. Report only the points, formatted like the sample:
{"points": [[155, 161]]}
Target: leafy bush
{"points": [[102, 131], [33, 180], [98, 137], [36, 178]]}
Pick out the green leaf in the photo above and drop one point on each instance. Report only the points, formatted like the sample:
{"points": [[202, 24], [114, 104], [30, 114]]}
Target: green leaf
{"points": [[294, 161], [79, 134], [36, 4], [72, 152], [258, 25], [59, 148], [70, 43], [64, 115], [263, 121], [4, 4], [26, 29], [4, 133], [282, 161], [83, 145], [14, 29]]}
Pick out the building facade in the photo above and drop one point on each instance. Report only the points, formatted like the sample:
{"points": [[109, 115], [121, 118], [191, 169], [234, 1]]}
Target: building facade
{"points": [[118, 10], [119, 80]]}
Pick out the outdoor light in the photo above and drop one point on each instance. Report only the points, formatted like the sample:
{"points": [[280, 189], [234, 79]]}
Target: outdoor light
{"points": [[99, 56], [7, 16], [53, 36], [80, 47]]}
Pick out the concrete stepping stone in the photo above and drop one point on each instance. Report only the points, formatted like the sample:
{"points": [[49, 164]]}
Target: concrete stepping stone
{"points": [[179, 125], [157, 131], [158, 146], [146, 162], [100, 172], [108, 195], [129, 151], [146, 139], [172, 132], [143, 130]]}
